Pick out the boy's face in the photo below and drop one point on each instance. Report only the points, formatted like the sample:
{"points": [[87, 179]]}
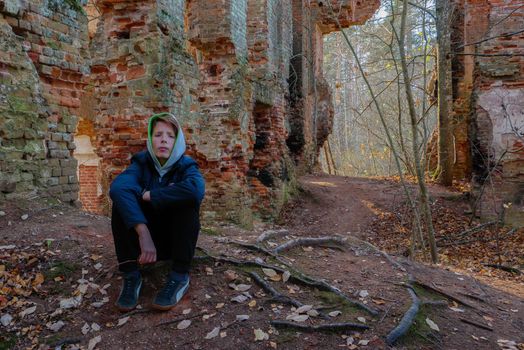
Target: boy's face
{"points": [[163, 140]]}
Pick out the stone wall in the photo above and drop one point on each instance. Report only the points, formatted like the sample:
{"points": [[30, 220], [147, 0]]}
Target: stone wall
{"points": [[43, 66], [488, 84]]}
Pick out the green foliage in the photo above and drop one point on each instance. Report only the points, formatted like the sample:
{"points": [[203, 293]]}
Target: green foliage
{"points": [[61, 268], [7, 341]]}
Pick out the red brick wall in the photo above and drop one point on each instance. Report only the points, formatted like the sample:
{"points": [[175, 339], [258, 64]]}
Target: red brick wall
{"points": [[91, 201]]}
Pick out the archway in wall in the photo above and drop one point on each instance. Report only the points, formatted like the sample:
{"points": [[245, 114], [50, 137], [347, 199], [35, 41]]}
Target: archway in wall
{"points": [[88, 169]]}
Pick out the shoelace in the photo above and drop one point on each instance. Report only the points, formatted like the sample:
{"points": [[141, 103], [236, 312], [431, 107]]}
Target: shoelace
{"points": [[169, 289], [129, 291]]}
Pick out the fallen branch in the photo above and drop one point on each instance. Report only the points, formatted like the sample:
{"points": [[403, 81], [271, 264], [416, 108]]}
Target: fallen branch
{"points": [[406, 321], [473, 323], [480, 239], [330, 327], [467, 232], [504, 268], [271, 233], [308, 241], [257, 248], [134, 312]]}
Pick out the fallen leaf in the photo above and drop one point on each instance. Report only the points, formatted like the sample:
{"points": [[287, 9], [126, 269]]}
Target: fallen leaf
{"points": [[93, 342], [378, 301], [241, 318], [361, 319], [39, 279], [27, 311], [335, 313], [276, 278], [98, 304], [71, 302], [363, 293], [24, 217], [230, 275], [122, 321], [285, 276], [456, 309], [350, 340], [297, 318], [209, 271], [313, 313], [273, 344], [240, 287], [95, 327], [252, 303], [303, 309], [85, 329], [432, 325], [223, 334], [260, 335], [98, 266], [55, 327], [474, 337], [183, 324], [213, 333], [220, 305], [186, 311], [363, 342], [239, 298], [487, 318], [5, 247], [6, 319], [269, 272], [307, 249]]}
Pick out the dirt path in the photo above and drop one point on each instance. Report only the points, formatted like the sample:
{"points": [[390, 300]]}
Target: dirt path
{"points": [[74, 254]]}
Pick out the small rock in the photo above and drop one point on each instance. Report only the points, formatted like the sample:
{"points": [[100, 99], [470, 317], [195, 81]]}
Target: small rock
{"points": [[2, 213], [24, 217], [55, 327]]}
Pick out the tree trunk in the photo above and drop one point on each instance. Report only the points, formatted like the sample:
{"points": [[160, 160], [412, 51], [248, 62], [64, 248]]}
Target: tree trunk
{"points": [[445, 149], [424, 197]]}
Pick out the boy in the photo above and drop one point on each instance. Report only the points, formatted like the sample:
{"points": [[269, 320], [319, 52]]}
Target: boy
{"points": [[155, 216]]}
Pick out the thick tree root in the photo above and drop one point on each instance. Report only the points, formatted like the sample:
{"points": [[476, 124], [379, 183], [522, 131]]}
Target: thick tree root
{"points": [[330, 327], [479, 325], [449, 296], [406, 321], [276, 295], [308, 241], [301, 279], [271, 233]]}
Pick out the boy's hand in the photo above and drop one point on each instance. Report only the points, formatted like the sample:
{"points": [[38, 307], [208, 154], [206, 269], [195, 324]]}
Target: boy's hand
{"points": [[147, 247], [146, 196]]}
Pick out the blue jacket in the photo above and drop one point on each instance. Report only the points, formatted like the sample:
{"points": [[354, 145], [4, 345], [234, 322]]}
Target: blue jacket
{"points": [[182, 185]]}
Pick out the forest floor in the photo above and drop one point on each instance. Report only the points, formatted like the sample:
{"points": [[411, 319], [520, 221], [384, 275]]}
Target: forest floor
{"points": [[59, 280]]}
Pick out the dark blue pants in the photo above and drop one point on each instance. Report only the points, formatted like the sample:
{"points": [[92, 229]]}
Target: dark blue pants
{"points": [[174, 232]]}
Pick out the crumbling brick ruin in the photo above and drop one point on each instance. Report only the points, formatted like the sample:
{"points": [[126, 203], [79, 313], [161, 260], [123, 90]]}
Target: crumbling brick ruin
{"points": [[79, 80], [488, 109], [244, 77]]}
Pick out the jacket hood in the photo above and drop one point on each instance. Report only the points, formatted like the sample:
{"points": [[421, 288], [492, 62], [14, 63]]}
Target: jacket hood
{"points": [[179, 146]]}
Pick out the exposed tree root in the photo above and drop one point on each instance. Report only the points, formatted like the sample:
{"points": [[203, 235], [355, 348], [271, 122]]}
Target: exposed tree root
{"points": [[308, 241], [271, 233], [449, 296], [478, 325], [297, 278], [330, 327], [406, 320], [276, 295], [384, 254]]}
